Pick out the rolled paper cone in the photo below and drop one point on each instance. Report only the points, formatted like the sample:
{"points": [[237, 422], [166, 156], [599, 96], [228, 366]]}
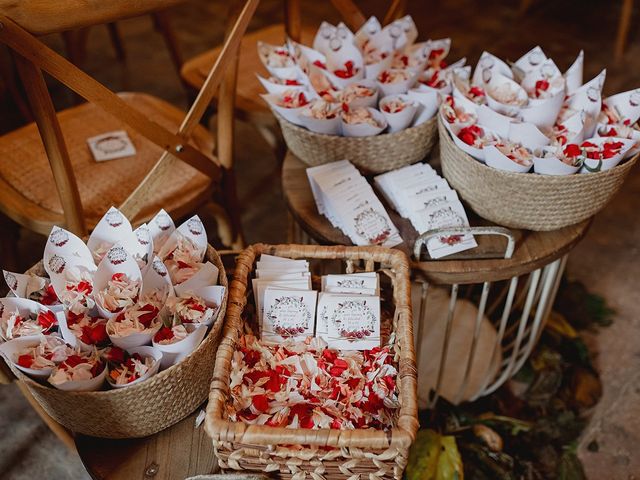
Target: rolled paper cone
{"points": [[496, 159], [372, 70], [427, 104], [117, 260], [531, 60], [502, 82], [369, 28], [194, 230], [364, 129], [490, 63], [342, 83], [90, 385], [174, 352], [365, 102], [323, 36], [494, 121], [213, 297], [546, 71], [588, 98], [112, 228], [552, 166], [528, 135], [135, 339], [397, 87], [626, 104], [477, 153], [161, 227], [68, 336], [542, 114], [64, 244], [207, 275], [17, 283], [143, 352], [156, 278], [11, 350], [277, 88], [635, 137], [324, 126], [399, 120], [593, 166], [573, 75], [290, 114]]}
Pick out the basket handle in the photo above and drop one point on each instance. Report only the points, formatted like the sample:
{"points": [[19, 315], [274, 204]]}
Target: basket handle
{"points": [[448, 231]]}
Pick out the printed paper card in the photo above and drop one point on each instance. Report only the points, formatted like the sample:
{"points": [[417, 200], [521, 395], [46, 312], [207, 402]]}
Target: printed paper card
{"points": [[111, 145], [355, 283], [349, 322], [288, 314], [448, 214], [367, 222], [260, 286]]}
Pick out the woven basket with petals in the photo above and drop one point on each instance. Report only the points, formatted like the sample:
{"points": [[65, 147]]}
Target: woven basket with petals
{"points": [[527, 200], [372, 155], [318, 453], [142, 409]]}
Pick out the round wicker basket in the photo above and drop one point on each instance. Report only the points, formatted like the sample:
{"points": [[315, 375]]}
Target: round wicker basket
{"points": [[143, 409], [372, 155], [529, 201]]}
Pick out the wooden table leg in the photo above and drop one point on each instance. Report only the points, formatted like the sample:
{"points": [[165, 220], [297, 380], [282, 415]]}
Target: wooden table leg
{"points": [[623, 28]]}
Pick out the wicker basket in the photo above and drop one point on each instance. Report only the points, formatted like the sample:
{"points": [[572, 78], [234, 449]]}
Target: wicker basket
{"points": [[534, 202], [143, 409], [322, 453], [372, 155]]}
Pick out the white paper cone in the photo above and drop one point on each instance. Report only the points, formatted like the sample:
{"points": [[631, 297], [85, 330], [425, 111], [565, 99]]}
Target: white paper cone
{"points": [[491, 64], [398, 87], [573, 75], [156, 278], [112, 228], [206, 276], [135, 339], [527, 135], [117, 260], [477, 153], [144, 352], [174, 352], [531, 60], [552, 166], [324, 126], [400, 120], [323, 36], [84, 385], [427, 101], [592, 166], [397, 35], [543, 113], [546, 71], [364, 129], [494, 121], [361, 102], [277, 88], [69, 336], [368, 29], [161, 227], [290, 114], [213, 297], [603, 128], [11, 350], [496, 159], [497, 86], [65, 244], [372, 70], [626, 105], [588, 98]]}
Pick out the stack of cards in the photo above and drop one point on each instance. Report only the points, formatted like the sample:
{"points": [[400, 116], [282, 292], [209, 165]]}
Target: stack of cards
{"points": [[418, 193], [344, 196], [349, 311], [285, 303]]}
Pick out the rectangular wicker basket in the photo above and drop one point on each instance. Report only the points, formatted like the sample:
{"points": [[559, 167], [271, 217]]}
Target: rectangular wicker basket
{"points": [[323, 453]]}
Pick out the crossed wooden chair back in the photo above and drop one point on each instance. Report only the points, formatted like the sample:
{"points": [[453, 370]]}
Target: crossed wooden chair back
{"points": [[21, 21]]}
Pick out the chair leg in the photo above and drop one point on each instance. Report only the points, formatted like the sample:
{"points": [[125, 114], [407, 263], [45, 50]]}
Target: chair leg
{"points": [[62, 433], [623, 28], [116, 41], [163, 25]]}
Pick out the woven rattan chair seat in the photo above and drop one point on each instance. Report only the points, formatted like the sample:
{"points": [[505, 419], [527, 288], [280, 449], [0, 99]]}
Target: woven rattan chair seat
{"points": [[27, 188]]}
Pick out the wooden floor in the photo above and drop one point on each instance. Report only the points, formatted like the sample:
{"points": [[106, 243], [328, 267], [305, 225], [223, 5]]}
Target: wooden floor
{"points": [[607, 261]]}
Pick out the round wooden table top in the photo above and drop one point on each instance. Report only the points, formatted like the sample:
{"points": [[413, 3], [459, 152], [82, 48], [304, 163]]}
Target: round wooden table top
{"points": [[179, 451], [532, 251]]}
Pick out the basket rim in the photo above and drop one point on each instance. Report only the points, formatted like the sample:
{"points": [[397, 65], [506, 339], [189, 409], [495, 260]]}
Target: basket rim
{"points": [[401, 435], [532, 177], [341, 138], [212, 254]]}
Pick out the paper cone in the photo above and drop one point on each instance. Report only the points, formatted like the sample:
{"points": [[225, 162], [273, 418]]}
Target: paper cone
{"points": [[500, 87], [371, 71], [11, 350], [427, 104], [477, 153], [278, 88], [112, 228], [213, 297], [527, 135], [117, 260], [542, 113], [494, 121], [360, 101], [552, 165], [546, 71], [593, 166], [65, 244], [363, 129], [397, 35], [174, 352], [398, 87], [530, 60], [588, 98], [156, 278], [496, 159], [491, 64], [325, 126], [323, 36], [144, 352], [290, 114], [206, 276], [626, 105], [399, 120], [161, 227], [84, 385], [370, 28], [573, 75]]}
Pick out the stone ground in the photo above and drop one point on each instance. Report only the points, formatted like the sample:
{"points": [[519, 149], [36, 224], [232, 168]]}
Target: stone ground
{"points": [[607, 261]]}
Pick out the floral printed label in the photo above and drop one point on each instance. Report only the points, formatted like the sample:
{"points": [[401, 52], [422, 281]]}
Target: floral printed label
{"points": [[288, 314], [349, 322]]}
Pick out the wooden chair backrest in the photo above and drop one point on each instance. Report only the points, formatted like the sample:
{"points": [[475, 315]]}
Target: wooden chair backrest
{"points": [[33, 57], [351, 15]]}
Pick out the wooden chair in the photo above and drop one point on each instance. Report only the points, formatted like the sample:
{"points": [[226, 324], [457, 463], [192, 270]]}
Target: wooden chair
{"points": [[47, 175], [249, 105]]}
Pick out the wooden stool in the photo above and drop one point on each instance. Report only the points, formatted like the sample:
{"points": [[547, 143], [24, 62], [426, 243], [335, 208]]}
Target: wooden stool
{"points": [[468, 322]]}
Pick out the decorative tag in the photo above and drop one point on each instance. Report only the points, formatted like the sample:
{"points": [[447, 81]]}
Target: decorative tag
{"points": [[111, 145], [349, 322], [288, 314]]}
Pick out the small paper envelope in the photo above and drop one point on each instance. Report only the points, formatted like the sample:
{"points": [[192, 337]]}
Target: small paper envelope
{"points": [[65, 244], [206, 276], [427, 104], [552, 165], [174, 352], [498, 88], [542, 113], [364, 129], [290, 114], [397, 87], [213, 297], [144, 352], [527, 135], [278, 88], [489, 63], [160, 227], [592, 166], [399, 120], [112, 228], [496, 159], [573, 75], [626, 105], [11, 350], [531, 60], [117, 260], [111, 145], [361, 101], [156, 278], [500, 124], [477, 153], [368, 29], [90, 385]]}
